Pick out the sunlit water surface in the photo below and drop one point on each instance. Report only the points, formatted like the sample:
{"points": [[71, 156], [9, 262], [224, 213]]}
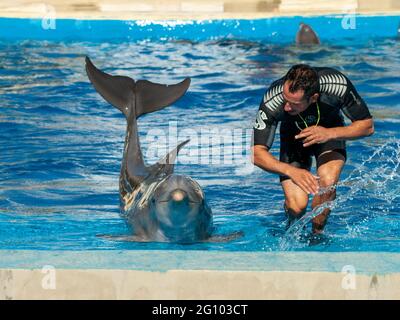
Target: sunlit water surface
{"points": [[61, 144]]}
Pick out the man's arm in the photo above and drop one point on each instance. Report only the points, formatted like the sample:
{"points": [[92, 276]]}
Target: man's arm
{"points": [[318, 134], [357, 129], [263, 159], [354, 107]]}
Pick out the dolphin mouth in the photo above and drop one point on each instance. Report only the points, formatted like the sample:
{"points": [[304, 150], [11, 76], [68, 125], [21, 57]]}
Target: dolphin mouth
{"points": [[177, 196], [165, 201]]}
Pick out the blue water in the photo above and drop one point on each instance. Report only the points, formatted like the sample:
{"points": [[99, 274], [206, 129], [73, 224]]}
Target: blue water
{"points": [[61, 144]]}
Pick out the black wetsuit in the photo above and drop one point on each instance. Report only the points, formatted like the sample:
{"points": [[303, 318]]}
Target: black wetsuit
{"points": [[336, 95]]}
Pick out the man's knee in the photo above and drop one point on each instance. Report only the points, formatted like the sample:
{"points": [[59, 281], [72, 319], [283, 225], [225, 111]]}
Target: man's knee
{"points": [[295, 207], [328, 182], [327, 179], [329, 174]]}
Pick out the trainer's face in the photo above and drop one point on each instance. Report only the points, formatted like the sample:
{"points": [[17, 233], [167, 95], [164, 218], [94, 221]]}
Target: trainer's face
{"points": [[295, 102]]}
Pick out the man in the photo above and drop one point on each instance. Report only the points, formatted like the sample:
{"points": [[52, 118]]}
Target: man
{"points": [[308, 102]]}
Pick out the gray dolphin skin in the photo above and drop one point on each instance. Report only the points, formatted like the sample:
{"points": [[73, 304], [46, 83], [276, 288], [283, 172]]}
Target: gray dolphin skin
{"points": [[159, 205], [306, 35]]}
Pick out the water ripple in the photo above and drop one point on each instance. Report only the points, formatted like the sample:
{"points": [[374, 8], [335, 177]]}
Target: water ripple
{"points": [[62, 144]]}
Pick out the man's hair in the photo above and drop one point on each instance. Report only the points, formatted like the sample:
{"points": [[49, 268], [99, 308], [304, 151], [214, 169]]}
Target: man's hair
{"points": [[303, 77]]}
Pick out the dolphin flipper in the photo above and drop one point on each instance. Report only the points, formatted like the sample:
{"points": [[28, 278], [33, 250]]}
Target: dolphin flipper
{"points": [[121, 91], [212, 239], [225, 238], [167, 164], [130, 238]]}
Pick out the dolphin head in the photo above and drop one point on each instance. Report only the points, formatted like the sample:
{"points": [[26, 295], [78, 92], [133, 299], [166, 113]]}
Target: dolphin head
{"points": [[179, 206]]}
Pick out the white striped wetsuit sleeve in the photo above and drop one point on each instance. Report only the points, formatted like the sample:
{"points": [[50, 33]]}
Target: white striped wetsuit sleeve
{"points": [[336, 84], [266, 120]]}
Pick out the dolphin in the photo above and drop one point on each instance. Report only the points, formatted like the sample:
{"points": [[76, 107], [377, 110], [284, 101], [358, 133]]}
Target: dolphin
{"points": [[306, 35], [159, 205]]}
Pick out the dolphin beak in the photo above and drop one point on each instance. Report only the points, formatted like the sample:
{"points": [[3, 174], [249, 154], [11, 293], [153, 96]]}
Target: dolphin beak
{"points": [[178, 195]]}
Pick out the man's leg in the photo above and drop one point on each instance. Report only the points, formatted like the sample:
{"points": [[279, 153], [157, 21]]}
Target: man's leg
{"points": [[329, 167], [293, 153], [296, 200]]}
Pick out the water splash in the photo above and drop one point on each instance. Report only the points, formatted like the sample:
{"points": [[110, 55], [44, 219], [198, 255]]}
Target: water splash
{"points": [[378, 182]]}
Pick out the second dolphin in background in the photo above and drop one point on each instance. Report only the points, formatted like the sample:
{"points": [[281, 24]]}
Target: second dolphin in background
{"points": [[306, 35]]}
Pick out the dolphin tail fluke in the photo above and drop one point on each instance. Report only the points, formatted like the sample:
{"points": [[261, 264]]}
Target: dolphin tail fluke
{"points": [[120, 91], [117, 90], [151, 96]]}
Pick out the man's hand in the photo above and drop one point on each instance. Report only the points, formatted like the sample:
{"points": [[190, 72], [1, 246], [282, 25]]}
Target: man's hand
{"points": [[313, 135], [305, 180]]}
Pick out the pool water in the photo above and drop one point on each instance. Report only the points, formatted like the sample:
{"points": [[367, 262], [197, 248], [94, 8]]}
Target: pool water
{"points": [[61, 144]]}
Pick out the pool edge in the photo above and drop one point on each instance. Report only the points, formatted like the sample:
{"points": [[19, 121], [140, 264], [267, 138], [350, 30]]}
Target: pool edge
{"points": [[193, 284], [367, 263], [196, 17]]}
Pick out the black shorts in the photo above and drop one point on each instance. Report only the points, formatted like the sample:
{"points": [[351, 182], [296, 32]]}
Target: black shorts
{"points": [[293, 152]]}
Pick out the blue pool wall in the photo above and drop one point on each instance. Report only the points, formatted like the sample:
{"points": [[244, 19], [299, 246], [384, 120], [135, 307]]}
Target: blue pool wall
{"points": [[272, 30]]}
